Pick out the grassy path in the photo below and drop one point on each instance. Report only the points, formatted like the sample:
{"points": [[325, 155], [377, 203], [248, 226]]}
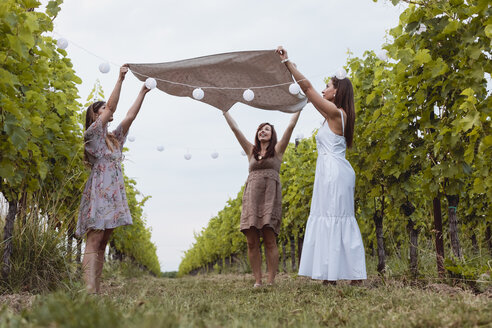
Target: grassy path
{"points": [[230, 301]]}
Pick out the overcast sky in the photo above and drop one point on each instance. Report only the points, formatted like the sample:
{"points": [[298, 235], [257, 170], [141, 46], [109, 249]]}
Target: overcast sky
{"points": [[186, 194]]}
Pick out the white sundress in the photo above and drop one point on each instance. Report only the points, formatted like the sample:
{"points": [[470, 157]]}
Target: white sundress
{"points": [[333, 248]]}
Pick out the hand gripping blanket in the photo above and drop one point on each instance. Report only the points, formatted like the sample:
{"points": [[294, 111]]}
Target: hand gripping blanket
{"points": [[224, 77]]}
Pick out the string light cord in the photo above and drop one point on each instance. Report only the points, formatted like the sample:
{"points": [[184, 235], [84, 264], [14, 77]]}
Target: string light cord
{"points": [[88, 51], [213, 87]]}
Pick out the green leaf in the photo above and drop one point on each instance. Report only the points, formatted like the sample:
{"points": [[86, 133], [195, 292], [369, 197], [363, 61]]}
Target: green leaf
{"points": [[478, 186], [488, 31], [406, 55], [451, 27], [469, 153], [42, 170], [439, 68], [17, 46], [6, 169], [370, 97], [487, 140], [18, 137], [422, 57], [421, 96], [470, 120], [468, 92]]}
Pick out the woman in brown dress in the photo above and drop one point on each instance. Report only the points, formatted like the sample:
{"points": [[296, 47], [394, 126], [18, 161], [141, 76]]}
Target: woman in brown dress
{"points": [[262, 199]]}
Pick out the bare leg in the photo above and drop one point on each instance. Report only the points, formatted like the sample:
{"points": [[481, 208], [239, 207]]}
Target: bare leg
{"points": [[253, 238], [89, 263], [270, 241], [100, 257]]}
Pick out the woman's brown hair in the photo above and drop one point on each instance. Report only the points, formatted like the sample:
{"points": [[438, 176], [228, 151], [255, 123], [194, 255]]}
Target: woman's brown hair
{"points": [[270, 152], [90, 117], [344, 99]]}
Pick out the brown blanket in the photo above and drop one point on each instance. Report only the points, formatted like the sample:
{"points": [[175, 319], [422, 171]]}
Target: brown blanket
{"points": [[224, 77]]}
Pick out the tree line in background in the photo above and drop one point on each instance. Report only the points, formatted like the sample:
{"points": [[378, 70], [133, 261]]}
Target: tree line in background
{"points": [[422, 141], [42, 174]]}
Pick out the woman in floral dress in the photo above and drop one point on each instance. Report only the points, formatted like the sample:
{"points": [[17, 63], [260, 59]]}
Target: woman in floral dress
{"points": [[104, 205]]}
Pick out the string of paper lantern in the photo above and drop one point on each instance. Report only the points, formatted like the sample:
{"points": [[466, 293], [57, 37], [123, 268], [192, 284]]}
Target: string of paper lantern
{"points": [[188, 154], [198, 92], [63, 43]]}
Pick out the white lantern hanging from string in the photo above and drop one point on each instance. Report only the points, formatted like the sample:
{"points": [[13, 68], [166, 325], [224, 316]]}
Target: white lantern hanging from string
{"points": [[214, 155], [150, 83], [248, 95], [198, 94], [131, 138], [62, 43], [341, 74], [104, 67], [160, 148], [243, 152], [294, 88], [187, 156], [383, 55]]}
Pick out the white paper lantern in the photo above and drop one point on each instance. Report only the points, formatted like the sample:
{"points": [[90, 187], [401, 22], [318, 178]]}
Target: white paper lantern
{"points": [[131, 138], [214, 155], [160, 148], [243, 152], [198, 94], [294, 88], [62, 43], [341, 74], [104, 67], [150, 83], [383, 55], [422, 28], [248, 95], [187, 156]]}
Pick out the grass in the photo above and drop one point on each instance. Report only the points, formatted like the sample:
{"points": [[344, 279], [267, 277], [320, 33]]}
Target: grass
{"points": [[39, 259], [45, 290], [229, 300]]}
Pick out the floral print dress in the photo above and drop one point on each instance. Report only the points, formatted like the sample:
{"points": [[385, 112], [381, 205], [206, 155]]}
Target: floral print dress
{"points": [[104, 204]]}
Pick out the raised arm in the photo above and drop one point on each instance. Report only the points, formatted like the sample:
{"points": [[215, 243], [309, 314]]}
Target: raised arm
{"points": [[325, 107], [284, 142], [133, 111], [245, 144], [115, 95]]}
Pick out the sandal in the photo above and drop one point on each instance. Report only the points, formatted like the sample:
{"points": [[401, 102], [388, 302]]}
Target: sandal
{"points": [[257, 285]]}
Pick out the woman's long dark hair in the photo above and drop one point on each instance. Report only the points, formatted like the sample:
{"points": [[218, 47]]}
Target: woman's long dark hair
{"points": [[270, 152], [90, 117], [344, 99]]}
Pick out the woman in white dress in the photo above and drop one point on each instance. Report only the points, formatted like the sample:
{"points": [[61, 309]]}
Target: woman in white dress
{"points": [[333, 248]]}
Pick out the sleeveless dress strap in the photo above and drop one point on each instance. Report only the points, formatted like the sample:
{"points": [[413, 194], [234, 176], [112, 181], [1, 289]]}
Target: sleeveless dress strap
{"points": [[343, 126]]}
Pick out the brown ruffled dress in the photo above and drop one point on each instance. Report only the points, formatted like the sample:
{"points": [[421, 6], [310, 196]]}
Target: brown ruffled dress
{"points": [[262, 198]]}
